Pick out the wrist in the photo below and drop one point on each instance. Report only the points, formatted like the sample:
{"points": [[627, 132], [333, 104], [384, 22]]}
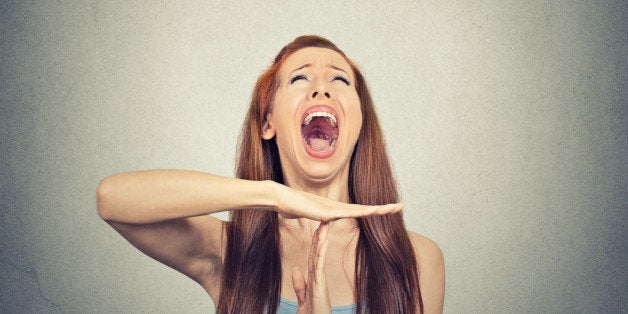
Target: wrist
{"points": [[273, 193]]}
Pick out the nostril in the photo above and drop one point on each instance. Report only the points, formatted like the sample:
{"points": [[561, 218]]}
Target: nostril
{"points": [[314, 95], [327, 95]]}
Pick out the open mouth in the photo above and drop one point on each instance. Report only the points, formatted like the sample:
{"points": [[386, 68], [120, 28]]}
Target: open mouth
{"points": [[319, 130]]}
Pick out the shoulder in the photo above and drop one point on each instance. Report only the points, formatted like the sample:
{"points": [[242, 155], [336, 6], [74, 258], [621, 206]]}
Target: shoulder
{"points": [[426, 250], [431, 272]]}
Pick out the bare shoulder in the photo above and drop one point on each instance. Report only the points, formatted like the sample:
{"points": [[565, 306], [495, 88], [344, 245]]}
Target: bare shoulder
{"points": [[426, 250], [431, 272]]}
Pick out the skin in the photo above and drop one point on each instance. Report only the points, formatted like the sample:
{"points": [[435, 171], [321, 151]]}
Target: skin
{"points": [[323, 74], [164, 213]]}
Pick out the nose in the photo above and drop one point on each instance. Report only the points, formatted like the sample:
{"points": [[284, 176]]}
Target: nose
{"points": [[316, 93]]}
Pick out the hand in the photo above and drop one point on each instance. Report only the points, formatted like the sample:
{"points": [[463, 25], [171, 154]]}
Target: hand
{"points": [[298, 204], [312, 293]]}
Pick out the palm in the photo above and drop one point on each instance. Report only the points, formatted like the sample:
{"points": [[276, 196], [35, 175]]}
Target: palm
{"points": [[298, 204], [312, 295]]}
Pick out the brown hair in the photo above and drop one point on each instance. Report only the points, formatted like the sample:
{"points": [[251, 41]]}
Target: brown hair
{"points": [[386, 268]]}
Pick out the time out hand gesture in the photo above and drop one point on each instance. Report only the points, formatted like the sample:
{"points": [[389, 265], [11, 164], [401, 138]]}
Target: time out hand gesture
{"points": [[298, 204], [312, 293]]}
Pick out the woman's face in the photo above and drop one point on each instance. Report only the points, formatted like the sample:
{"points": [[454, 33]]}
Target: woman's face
{"points": [[315, 116]]}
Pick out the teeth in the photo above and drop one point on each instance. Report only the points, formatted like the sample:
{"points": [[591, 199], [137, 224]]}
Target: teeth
{"points": [[331, 117]]}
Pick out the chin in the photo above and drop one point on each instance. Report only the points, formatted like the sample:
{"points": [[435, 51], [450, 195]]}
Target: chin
{"points": [[324, 170], [320, 173]]}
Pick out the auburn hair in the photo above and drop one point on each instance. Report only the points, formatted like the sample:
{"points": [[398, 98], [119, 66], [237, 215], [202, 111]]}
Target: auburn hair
{"points": [[386, 276]]}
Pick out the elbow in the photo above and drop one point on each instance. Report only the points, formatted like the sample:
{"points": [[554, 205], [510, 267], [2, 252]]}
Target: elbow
{"points": [[103, 195]]}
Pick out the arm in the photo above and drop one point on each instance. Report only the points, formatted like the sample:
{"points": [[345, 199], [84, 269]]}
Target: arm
{"points": [[164, 213], [158, 195], [431, 273]]}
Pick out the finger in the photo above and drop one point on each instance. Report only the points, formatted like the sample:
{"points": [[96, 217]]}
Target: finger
{"points": [[322, 231], [317, 283], [299, 285], [353, 211], [389, 209], [356, 211], [319, 276], [318, 253], [315, 248]]}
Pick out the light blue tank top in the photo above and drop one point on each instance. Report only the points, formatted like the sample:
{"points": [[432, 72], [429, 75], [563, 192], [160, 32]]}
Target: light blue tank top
{"points": [[289, 307]]}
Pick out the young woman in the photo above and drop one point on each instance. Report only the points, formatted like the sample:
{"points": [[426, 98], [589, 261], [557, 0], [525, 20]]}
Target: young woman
{"points": [[315, 221]]}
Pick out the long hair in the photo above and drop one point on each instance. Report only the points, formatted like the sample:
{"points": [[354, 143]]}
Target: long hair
{"points": [[386, 267]]}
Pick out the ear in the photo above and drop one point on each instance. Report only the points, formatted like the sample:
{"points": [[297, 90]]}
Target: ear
{"points": [[268, 132]]}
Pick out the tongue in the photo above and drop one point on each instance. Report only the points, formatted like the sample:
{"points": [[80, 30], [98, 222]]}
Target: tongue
{"points": [[319, 144]]}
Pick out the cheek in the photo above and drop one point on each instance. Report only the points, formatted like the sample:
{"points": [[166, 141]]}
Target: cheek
{"points": [[352, 109], [357, 125], [281, 121], [281, 111]]}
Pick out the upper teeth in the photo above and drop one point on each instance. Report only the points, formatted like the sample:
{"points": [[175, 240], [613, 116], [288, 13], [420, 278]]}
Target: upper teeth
{"points": [[309, 117]]}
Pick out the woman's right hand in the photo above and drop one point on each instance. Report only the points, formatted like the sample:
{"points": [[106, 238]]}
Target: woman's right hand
{"points": [[312, 293], [298, 204]]}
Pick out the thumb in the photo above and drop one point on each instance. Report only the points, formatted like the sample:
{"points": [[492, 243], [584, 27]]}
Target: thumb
{"points": [[299, 285]]}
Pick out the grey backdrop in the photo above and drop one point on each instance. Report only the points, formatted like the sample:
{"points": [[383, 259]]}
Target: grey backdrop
{"points": [[505, 120]]}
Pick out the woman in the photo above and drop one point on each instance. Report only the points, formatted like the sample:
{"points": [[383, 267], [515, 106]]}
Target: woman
{"points": [[308, 228]]}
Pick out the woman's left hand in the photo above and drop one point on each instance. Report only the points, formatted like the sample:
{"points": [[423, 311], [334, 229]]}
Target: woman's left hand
{"points": [[312, 293]]}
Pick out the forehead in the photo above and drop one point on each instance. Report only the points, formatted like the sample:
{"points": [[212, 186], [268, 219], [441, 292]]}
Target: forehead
{"points": [[314, 57]]}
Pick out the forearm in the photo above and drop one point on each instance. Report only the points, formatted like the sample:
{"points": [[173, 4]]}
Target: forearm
{"points": [[159, 195]]}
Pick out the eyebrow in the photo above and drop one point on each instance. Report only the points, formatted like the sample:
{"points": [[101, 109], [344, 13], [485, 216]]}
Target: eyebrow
{"points": [[300, 68], [339, 69], [307, 65]]}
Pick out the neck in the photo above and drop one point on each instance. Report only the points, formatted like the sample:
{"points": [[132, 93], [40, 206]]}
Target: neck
{"points": [[336, 188]]}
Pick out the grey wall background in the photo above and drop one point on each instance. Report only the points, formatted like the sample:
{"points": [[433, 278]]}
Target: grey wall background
{"points": [[506, 122]]}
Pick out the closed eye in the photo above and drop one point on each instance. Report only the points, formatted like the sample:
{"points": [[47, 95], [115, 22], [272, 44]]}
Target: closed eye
{"points": [[298, 77], [342, 79]]}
